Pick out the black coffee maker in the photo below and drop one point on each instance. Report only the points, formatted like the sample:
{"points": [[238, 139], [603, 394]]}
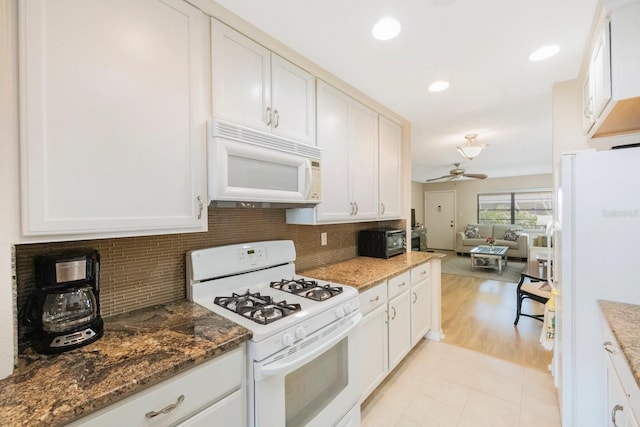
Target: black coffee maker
{"points": [[65, 307]]}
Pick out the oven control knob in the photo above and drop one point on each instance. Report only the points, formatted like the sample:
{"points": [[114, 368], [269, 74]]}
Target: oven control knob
{"points": [[339, 312], [301, 333], [287, 339], [347, 308]]}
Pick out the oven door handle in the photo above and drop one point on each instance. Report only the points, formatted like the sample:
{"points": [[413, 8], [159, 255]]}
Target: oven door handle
{"points": [[281, 368]]}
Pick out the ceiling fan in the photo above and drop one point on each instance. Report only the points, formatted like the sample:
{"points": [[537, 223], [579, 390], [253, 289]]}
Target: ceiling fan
{"points": [[457, 173]]}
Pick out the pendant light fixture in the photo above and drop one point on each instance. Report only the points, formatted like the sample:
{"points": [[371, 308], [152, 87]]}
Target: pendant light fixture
{"points": [[471, 149]]}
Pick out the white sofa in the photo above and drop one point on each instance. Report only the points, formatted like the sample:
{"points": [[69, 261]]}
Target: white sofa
{"points": [[517, 249]]}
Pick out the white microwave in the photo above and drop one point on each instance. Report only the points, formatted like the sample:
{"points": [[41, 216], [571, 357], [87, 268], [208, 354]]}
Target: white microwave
{"points": [[253, 168]]}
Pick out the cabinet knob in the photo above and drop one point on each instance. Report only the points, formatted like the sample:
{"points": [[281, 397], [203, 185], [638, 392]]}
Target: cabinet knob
{"points": [[166, 409]]}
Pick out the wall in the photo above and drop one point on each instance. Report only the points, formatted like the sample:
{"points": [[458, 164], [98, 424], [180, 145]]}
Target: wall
{"points": [[567, 135], [139, 272], [467, 191], [417, 201]]}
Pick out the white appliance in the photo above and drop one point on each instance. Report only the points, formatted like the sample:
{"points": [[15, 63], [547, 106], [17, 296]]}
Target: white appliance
{"points": [[596, 251], [257, 169], [303, 354]]}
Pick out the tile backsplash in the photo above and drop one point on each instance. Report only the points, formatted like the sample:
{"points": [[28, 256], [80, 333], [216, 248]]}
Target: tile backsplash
{"points": [[138, 272]]}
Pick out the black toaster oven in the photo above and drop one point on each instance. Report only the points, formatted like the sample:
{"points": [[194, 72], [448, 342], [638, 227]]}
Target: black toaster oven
{"points": [[382, 242]]}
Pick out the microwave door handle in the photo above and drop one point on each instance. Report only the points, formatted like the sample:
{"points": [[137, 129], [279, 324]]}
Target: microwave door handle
{"points": [[281, 368], [308, 175]]}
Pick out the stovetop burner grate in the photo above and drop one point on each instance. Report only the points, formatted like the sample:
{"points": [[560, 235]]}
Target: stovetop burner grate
{"points": [[259, 308], [307, 288]]}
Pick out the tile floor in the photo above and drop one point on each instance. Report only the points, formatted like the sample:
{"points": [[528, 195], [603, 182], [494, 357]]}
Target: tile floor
{"points": [[443, 385]]}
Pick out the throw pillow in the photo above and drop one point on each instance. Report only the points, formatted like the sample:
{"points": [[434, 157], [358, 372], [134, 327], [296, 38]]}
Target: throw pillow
{"points": [[512, 234], [471, 232]]}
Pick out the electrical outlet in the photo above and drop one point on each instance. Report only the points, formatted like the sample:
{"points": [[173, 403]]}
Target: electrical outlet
{"points": [[323, 239]]}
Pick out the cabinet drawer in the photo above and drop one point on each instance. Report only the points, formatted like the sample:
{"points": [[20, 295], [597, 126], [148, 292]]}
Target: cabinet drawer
{"points": [[420, 273], [201, 387], [373, 298], [399, 284]]}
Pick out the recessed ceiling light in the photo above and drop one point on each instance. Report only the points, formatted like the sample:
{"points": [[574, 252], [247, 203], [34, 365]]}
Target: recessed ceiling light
{"points": [[386, 29], [438, 86], [544, 52]]}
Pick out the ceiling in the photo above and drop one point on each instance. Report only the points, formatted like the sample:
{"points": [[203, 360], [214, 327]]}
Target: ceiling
{"points": [[480, 47]]}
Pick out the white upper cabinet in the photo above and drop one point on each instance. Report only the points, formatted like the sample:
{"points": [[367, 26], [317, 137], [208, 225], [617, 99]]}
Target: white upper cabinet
{"points": [[390, 168], [348, 137], [257, 88], [613, 84], [112, 117]]}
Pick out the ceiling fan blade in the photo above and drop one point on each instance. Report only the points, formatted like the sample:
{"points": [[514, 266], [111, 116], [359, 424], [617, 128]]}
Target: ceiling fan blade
{"points": [[442, 177], [475, 175]]}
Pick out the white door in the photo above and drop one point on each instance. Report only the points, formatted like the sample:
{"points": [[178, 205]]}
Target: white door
{"points": [[440, 219], [390, 168], [363, 157], [293, 94], [113, 123], [241, 71], [333, 139]]}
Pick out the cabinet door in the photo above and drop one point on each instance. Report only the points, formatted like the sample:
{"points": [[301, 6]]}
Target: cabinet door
{"points": [[375, 363], [293, 101], [333, 137], [420, 316], [363, 155], [241, 72], [112, 117], [399, 328], [600, 71], [588, 118], [617, 403], [390, 169]]}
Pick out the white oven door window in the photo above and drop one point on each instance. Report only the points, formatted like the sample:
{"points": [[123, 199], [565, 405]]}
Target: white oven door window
{"points": [[316, 386], [310, 388]]}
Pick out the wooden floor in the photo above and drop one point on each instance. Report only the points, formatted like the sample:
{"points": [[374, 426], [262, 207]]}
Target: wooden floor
{"points": [[478, 314]]}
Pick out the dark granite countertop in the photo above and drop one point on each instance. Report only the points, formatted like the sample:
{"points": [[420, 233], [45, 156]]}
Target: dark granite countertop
{"points": [[365, 272], [623, 319], [138, 349]]}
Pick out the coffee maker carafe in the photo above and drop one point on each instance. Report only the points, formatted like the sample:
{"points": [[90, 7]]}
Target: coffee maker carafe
{"points": [[65, 307]]}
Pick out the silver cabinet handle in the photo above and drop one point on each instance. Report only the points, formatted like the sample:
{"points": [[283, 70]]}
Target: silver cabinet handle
{"points": [[374, 299], [606, 345], [356, 212], [423, 272], [352, 210], [614, 411], [268, 116], [394, 313], [382, 213], [200, 207], [276, 118], [402, 284], [166, 409], [415, 297]]}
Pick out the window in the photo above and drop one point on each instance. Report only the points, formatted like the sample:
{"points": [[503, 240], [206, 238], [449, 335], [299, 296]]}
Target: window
{"points": [[531, 209]]}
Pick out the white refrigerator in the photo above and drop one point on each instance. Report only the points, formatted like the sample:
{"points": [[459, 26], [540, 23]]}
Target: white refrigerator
{"points": [[597, 256]]}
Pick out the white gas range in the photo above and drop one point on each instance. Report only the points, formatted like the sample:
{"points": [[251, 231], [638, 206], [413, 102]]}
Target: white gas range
{"points": [[303, 354]]}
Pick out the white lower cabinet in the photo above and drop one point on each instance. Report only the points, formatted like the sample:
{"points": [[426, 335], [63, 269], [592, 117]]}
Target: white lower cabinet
{"points": [[399, 318], [420, 313], [622, 392], [396, 316], [213, 393]]}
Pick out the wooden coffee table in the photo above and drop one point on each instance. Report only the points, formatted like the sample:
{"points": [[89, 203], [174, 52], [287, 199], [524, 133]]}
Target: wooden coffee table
{"points": [[494, 256]]}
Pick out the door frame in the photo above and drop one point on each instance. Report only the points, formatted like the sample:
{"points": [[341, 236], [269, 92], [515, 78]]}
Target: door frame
{"points": [[454, 207]]}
